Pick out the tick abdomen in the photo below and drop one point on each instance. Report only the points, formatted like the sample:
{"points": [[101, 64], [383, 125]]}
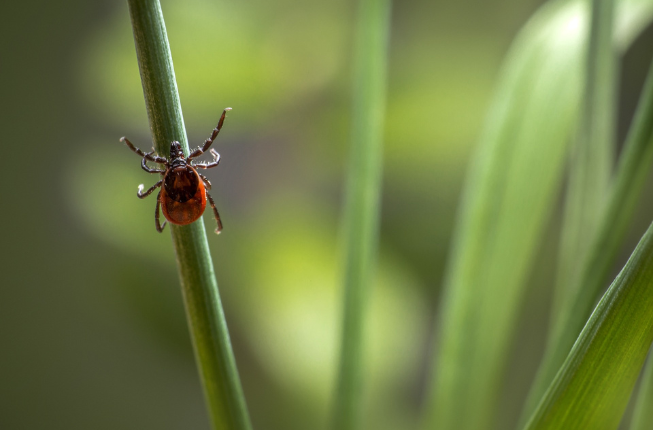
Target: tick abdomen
{"points": [[183, 197]]}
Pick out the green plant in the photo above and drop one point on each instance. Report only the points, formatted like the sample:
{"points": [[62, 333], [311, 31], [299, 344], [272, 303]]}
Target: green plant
{"points": [[214, 356], [558, 82], [361, 213], [560, 58]]}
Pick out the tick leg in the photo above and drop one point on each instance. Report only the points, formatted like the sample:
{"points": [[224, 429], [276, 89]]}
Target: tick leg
{"points": [[147, 168], [149, 156], [142, 195], [159, 226], [214, 163], [206, 181], [199, 151], [215, 213]]}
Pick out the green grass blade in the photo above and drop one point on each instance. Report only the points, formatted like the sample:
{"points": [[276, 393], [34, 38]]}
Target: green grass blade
{"points": [[510, 190], [630, 177], [362, 206], [643, 413], [593, 387], [591, 164], [208, 328]]}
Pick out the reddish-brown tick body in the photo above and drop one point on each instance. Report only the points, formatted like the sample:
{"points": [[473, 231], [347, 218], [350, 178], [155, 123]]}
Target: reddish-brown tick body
{"points": [[184, 191], [183, 196]]}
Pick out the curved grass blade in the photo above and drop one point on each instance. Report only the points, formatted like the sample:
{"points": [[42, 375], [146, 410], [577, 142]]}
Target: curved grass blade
{"points": [[591, 163], [510, 190], [630, 177], [593, 387]]}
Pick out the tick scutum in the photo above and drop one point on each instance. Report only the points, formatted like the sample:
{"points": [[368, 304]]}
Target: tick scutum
{"points": [[181, 183]]}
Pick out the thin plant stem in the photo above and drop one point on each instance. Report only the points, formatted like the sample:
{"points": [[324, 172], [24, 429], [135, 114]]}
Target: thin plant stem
{"points": [[362, 206], [208, 328]]}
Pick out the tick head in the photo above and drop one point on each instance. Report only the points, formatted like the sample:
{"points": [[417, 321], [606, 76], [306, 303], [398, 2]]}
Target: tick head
{"points": [[175, 150]]}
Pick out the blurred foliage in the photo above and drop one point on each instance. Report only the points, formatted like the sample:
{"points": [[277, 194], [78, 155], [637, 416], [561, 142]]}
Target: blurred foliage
{"points": [[279, 72], [288, 306], [506, 206], [93, 310], [250, 60]]}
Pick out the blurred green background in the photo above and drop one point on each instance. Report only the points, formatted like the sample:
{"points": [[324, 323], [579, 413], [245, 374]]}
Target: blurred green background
{"points": [[92, 330]]}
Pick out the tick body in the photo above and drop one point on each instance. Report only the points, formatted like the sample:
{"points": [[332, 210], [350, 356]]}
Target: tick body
{"points": [[183, 196], [184, 191]]}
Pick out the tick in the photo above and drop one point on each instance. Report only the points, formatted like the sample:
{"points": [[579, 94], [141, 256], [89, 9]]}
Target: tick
{"points": [[184, 191]]}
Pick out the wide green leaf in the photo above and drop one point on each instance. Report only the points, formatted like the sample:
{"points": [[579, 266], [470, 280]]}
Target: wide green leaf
{"points": [[592, 389]]}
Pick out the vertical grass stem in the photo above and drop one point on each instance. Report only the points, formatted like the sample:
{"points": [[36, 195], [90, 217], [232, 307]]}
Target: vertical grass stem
{"points": [[208, 328], [362, 205]]}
